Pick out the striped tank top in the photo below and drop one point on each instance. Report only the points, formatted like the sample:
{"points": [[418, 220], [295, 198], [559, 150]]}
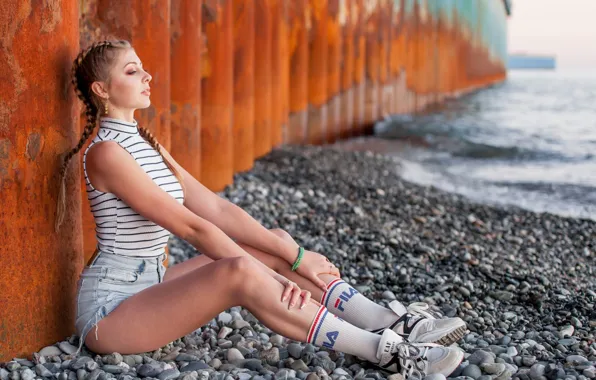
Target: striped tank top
{"points": [[120, 229]]}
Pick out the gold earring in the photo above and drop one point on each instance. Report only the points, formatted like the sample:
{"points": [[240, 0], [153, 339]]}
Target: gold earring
{"points": [[106, 108]]}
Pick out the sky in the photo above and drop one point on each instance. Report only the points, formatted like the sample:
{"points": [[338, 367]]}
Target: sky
{"points": [[565, 28]]}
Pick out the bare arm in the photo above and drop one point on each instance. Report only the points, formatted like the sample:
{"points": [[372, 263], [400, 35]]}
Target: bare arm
{"points": [[231, 219], [112, 169]]}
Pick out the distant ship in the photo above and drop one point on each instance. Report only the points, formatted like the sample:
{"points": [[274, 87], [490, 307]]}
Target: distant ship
{"points": [[528, 61]]}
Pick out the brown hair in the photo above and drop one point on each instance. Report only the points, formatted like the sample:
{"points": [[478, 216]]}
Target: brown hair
{"points": [[94, 64]]}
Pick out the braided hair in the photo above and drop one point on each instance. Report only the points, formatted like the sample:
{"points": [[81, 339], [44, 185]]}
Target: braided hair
{"points": [[93, 64]]}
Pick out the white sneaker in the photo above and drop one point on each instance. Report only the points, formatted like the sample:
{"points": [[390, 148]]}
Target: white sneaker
{"points": [[416, 360], [419, 323]]}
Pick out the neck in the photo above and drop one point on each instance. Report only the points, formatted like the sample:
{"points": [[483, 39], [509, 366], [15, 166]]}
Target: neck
{"points": [[124, 115]]}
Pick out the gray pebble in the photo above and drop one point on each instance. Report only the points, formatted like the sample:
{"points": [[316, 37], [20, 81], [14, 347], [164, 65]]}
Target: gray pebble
{"points": [[271, 355], [27, 374], [113, 369], [590, 373], [224, 318], [4, 374], [576, 359], [481, 357], [299, 365], [537, 371], [94, 375], [240, 324], [493, 369], [91, 366], [149, 370], [388, 295], [295, 350], [67, 348], [276, 340], [234, 354], [169, 374], [50, 351], [113, 359], [472, 371], [81, 374], [196, 366], [12, 366], [42, 371]]}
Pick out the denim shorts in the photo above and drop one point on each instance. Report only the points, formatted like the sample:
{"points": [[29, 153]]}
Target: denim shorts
{"points": [[108, 280]]}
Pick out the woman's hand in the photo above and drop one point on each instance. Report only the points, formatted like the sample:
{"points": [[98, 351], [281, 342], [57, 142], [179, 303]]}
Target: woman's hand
{"points": [[313, 264], [293, 292]]}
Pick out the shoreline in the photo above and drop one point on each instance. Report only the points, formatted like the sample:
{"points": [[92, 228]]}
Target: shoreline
{"points": [[524, 282]]}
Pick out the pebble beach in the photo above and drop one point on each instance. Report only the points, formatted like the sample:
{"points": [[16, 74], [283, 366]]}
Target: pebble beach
{"points": [[524, 282]]}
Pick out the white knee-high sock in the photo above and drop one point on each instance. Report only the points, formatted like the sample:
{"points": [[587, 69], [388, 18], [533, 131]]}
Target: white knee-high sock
{"points": [[347, 303], [332, 332]]}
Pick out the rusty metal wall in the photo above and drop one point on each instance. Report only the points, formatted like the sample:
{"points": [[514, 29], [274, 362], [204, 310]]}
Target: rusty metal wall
{"points": [[232, 79], [38, 125]]}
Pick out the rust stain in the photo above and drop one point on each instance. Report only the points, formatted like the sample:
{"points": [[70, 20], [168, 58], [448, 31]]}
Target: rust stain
{"points": [[5, 146], [34, 145], [9, 64], [52, 15]]}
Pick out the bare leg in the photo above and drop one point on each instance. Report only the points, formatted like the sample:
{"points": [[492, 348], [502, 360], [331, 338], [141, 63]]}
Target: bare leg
{"points": [[169, 310]]}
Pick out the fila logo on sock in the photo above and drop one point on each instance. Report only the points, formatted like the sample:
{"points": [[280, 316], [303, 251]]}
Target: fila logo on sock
{"points": [[345, 296], [332, 337]]}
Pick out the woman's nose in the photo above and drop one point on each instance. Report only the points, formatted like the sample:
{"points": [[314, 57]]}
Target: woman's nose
{"points": [[147, 78]]}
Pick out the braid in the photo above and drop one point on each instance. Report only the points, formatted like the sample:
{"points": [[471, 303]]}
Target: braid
{"points": [[91, 112], [144, 132]]}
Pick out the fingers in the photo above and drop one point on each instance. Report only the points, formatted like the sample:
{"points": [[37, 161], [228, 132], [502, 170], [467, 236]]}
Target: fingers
{"points": [[289, 287], [305, 298], [295, 297], [320, 283]]}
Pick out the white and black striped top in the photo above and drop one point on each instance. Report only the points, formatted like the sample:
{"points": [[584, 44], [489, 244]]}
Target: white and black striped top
{"points": [[119, 228]]}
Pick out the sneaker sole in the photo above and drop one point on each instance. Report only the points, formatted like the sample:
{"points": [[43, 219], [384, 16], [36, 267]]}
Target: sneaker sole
{"points": [[452, 337]]}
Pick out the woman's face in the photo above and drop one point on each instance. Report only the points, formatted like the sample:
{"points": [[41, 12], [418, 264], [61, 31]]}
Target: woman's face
{"points": [[128, 87]]}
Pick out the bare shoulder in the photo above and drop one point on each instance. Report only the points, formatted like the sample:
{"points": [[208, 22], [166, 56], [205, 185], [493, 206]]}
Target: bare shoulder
{"points": [[105, 159]]}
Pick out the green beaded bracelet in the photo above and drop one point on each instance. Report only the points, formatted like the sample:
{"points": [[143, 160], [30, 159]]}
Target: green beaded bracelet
{"points": [[298, 259]]}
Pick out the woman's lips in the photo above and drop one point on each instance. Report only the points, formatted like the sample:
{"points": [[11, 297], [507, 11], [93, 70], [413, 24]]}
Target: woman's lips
{"points": [[146, 92]]}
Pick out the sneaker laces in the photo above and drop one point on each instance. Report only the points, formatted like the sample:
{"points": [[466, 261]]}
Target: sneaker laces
{"points": [[411, 360], [423, 309]]}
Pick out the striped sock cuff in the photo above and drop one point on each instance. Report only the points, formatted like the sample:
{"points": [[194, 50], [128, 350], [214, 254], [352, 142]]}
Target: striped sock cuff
{"points": [[313, 332], [330, 288]]}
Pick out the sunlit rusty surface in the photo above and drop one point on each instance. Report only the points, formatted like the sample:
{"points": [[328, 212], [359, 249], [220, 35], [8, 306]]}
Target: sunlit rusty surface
{"points": [[217, 95], [317, 72], [298, 68], [372, 14], [244, 84], [38, 125], [348, 19], [359, 19], [263, 78], [334, 60], [185, 110], [278, 42]]}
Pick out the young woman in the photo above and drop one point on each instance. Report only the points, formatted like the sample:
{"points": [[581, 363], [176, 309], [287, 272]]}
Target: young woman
{"points": [[139, 195]]}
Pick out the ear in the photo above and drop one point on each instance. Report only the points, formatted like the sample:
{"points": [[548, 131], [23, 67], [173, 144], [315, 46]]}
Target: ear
{"points": [[100, 89]]}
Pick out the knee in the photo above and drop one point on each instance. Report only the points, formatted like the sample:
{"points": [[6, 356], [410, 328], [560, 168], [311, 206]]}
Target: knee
{"points": [[240, 266], [282, 234], [242, 277]]}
